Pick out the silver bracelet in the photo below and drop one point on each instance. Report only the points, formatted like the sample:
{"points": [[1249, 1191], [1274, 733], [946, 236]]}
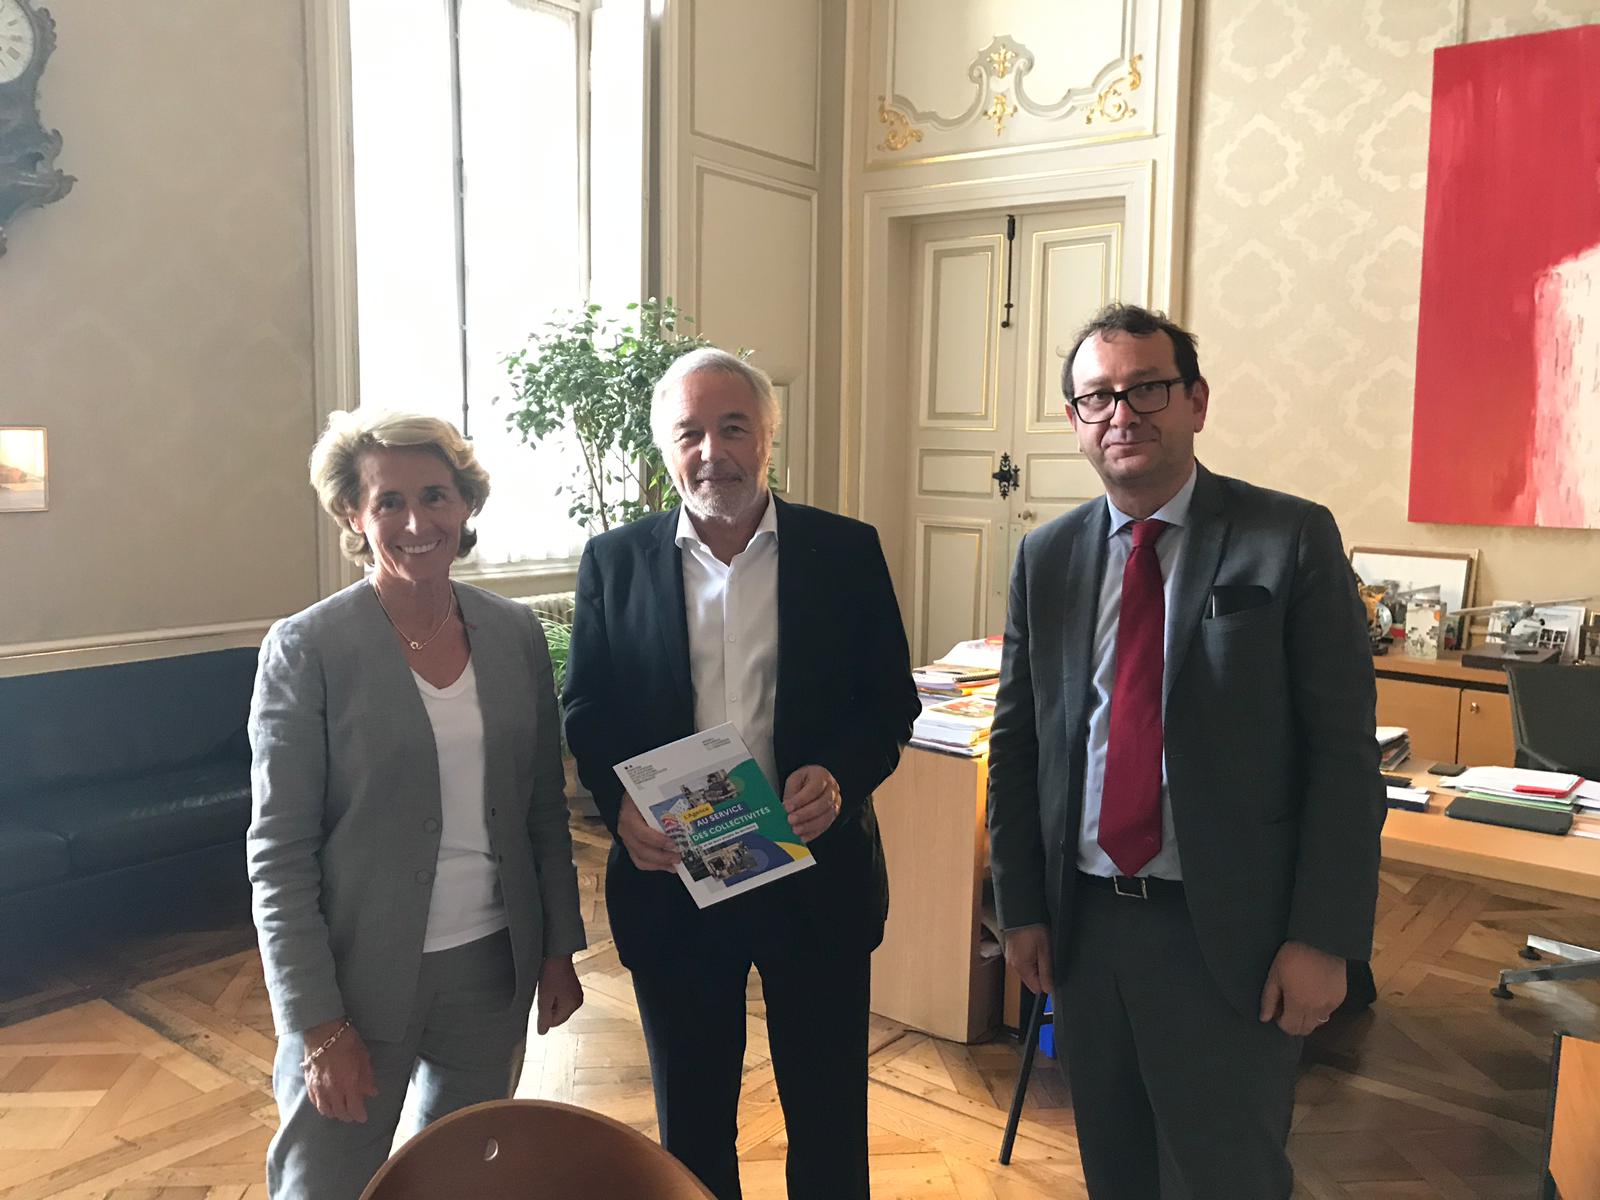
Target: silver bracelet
{"points": [[326, 1046]]}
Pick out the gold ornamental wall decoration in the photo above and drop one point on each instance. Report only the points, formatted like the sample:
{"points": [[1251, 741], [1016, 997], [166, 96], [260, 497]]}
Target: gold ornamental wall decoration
{"points": [[1113, 104], [999, 111], [899, 131], [1001, 60]]}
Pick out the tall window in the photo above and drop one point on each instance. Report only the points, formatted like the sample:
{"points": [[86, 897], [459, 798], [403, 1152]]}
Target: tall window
{"points": [[499, 165]]}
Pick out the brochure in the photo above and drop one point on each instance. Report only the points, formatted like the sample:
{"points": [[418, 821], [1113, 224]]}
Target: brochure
{"points": [[709, 796]]}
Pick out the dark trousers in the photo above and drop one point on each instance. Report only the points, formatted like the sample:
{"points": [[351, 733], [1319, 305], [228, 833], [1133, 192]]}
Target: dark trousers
{"points": [[1176, 1094], [694, 1027]]}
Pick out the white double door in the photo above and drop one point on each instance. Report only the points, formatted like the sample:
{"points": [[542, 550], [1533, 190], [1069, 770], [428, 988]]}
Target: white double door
{"points": [[993, 454]]}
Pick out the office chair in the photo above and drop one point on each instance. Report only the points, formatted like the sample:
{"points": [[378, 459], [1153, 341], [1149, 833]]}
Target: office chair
{"points": [[532, 1150], [1555, 718], [1572, 1153]]}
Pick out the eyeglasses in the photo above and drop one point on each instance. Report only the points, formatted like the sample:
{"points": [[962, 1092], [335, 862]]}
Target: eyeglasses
{"points": [[1095, 408]]}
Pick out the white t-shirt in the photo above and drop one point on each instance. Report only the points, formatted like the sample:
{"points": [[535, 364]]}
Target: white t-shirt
{"points": [[466, 903]]}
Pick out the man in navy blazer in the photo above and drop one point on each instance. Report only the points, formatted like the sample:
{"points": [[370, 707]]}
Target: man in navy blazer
{"points": [[1184, 798], [781, 619]]}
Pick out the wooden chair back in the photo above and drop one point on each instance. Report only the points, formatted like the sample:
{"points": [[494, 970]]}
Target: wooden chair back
{"points": [[530, 1150]]}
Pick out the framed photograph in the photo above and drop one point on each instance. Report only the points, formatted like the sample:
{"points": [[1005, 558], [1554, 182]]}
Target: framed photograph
{"points": [[24, 473], [780, 441], [1563, 627], [1409, 569]]}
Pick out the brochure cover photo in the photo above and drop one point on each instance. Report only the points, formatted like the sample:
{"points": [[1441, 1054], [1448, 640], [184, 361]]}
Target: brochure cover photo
{"points": [[709, 796]]}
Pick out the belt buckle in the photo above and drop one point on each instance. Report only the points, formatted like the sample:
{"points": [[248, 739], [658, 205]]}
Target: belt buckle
{"points": [[1142, 892]]}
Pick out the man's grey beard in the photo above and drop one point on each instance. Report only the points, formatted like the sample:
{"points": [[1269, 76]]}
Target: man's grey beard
{"points": [[729, 500]]}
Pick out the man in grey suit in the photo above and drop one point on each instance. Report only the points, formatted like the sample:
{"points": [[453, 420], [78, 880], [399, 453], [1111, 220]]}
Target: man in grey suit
{"points": [[1184, 798]]}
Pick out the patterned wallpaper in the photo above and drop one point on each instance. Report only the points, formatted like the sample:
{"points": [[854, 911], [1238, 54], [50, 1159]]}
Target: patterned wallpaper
{"points": [[1306, 207], [157, 321]]}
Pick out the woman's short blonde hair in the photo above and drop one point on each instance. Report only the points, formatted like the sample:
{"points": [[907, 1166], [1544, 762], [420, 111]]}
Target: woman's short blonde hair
{"points": [[336, 466]]}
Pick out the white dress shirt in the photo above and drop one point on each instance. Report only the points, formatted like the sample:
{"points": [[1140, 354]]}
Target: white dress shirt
{"points": [[732, 612], [1175, 512]]}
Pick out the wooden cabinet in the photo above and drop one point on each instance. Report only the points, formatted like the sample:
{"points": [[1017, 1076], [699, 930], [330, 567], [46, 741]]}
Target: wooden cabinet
{"points": [[931, 972], [1430, 712], [1483, 736], [1455, 713]]}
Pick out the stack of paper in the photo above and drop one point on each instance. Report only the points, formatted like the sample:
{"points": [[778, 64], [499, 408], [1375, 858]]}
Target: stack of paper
{"points": [[1394, 746], [1415, 799], [1555, 791], [967, 668], [946, 679], [1588, 795], [955, 726]]}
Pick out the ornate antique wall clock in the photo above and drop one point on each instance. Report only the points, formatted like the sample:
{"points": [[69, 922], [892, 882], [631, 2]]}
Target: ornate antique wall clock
{"points": [[28, 176]]}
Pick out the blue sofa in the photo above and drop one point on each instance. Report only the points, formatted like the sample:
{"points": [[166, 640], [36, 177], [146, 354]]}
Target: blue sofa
{"points": [[118, 772]]}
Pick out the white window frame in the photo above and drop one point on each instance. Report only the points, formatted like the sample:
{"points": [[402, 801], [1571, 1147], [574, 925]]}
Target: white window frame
{"points": [[336, 378]]}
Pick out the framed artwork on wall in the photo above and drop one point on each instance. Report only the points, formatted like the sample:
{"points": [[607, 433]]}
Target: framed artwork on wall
{"points": [[1506, 417], [24, 472]]}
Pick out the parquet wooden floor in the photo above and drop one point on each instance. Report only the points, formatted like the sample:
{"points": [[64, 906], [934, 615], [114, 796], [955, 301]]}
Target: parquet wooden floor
{"points": [[141, 1071]]}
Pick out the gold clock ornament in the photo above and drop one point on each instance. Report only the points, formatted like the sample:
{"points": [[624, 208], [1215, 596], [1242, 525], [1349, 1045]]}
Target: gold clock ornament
{"points": [[28, 174]]}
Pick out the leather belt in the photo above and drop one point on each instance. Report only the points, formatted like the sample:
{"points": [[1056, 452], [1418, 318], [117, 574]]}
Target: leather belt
{"points": [[1134, 887]]}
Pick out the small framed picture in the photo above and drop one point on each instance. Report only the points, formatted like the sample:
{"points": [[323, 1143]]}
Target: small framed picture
{"points": [[1445, 576], [24, 472], [1561, 627]]}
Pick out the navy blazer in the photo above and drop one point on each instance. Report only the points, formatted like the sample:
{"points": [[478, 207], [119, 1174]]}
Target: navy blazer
{"points": [[1272, 766], [845, 701]]}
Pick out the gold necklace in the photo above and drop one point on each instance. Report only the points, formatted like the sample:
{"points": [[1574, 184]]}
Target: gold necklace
{"points": [[415, 645]]}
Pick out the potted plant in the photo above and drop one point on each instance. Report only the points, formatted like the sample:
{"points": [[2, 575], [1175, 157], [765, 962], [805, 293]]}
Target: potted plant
{"points": [[588, 377]]}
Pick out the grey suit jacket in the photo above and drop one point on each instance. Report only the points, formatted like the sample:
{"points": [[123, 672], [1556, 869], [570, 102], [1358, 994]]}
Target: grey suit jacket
{"points": [[1272, 766], [345, 834]]}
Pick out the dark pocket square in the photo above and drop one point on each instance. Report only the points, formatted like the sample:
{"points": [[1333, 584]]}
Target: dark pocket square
{"points": [[1236, 598]]}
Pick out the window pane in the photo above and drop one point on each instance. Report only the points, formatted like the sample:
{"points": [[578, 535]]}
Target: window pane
{"points": [[410, 354], [519, 148], [616, 159]]}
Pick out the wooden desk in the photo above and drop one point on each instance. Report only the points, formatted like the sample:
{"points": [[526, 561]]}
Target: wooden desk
{"points": [[1568, 864], [930, 972]]}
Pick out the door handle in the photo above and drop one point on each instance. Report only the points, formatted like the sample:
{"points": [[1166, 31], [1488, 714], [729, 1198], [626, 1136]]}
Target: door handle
{"points": [[1026, 514], [1008, 476]]}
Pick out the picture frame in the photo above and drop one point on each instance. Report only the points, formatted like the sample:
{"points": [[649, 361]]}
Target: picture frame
{"points": [[1563, 627], [1412, 568], [780, 441], [24, 469]]}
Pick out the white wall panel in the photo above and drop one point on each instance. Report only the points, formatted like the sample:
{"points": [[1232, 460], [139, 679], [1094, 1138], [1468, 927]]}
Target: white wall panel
{"points": [[957, 474], [960, 302], [755, 77], [951, 583], [1058, 479], [1074, 273]]}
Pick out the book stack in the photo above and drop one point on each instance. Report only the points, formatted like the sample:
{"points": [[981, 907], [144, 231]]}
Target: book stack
{"points": [[1394, 746], [1544, 801], [945, 680], [960, 726], [967, 668]]}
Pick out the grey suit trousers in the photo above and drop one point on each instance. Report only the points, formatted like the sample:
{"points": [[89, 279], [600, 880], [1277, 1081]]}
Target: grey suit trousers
{"points": [[1175, 1093], [462, 1046]]}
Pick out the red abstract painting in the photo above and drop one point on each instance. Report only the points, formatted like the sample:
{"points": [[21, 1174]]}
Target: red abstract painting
{"points": [[1506, 425]]}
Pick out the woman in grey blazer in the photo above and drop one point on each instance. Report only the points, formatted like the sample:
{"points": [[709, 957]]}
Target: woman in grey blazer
{"points": [[409, 857]]}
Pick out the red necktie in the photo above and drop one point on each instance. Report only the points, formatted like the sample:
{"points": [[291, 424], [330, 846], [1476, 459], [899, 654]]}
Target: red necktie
{"points": [[1130, 797]]}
